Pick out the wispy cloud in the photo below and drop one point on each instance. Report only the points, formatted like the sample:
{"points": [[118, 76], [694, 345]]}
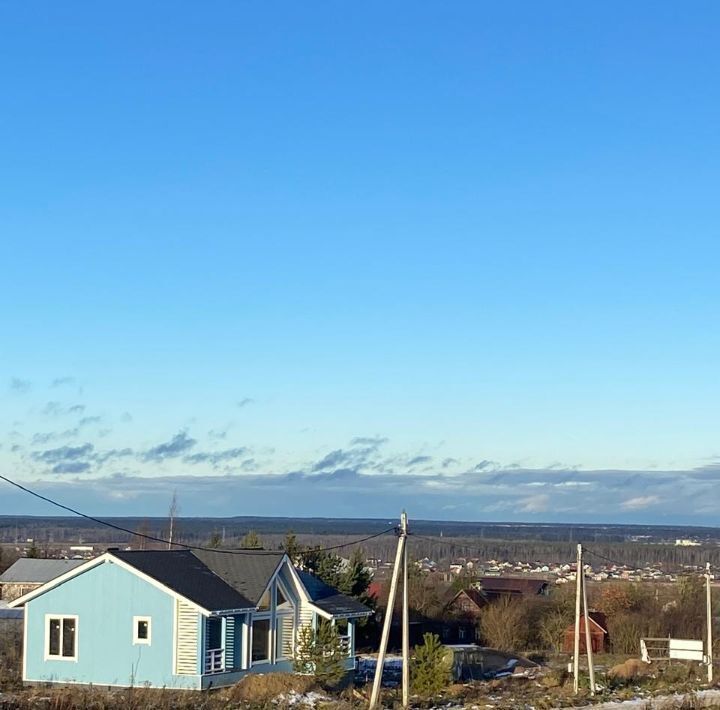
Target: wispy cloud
{"points": [[216, 457], [372, 441], [19, 386], [417, 460], [71, 467], [246, 401], [56, 409], [177, 446], [64, 453], [60, 381]]}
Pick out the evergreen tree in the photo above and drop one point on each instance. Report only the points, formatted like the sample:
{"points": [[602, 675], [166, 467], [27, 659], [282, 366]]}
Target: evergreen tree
{"points": [[251, 541], [355, 579], [292, 547], [320, 653], [430, 668], [323, 565], [215, 540]]}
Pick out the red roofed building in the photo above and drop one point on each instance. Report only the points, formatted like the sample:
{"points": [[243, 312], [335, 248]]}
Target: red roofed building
{"points": [[598, 634]]}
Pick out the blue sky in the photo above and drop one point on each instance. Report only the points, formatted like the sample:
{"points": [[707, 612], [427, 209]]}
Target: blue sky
{"points": [[480, 240]]}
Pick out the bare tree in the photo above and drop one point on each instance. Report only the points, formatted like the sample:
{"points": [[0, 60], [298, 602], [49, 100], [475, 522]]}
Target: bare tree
{"points": [[503, 624], [172, 514]]}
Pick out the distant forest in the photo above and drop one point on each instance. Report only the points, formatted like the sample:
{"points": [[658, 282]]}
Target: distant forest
{"points": [[636, 546]]}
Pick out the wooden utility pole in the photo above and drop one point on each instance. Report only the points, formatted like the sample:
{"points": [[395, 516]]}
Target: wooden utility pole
{"points": [[578, 599], [588, 639], [708, 600], [377, 681], [405, 618]]}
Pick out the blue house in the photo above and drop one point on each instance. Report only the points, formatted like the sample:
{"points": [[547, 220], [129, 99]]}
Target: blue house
{"points": [[176, 619]]}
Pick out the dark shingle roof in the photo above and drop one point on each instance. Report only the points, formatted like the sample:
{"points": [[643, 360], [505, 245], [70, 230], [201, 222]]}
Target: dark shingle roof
{"points": [[249, 574], [330, 600], [474, 595], [512, 585], [217, 581], [186, 574]]}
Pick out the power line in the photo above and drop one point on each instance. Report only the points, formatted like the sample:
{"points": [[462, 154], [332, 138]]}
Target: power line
{"points": [[186, 546]]}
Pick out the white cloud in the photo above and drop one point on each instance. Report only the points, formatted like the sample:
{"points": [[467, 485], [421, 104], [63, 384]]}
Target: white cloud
{"points": [[535, 504], [640, 502]]}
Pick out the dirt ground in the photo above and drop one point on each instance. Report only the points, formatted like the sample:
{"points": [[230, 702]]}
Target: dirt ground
{"points": [[619, 680]]}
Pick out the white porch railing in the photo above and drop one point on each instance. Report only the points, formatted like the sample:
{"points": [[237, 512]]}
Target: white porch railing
{"points": [[214, 660], [345, 644]]}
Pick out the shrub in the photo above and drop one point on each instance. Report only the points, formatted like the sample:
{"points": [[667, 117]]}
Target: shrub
{"points": [[552, 628], [503, 624]]}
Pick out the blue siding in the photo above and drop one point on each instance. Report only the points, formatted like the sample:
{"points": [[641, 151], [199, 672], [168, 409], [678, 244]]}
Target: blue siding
{"points": [[105, 598]]}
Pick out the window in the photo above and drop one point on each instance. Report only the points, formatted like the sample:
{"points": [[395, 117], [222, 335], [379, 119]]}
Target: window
{"points": [[141, 630], [214, 633], [61, 639], [283, 598], [261, 641], [264, 604]]}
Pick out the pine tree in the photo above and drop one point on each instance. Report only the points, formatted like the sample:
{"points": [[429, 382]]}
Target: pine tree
{"points": [[292, 547], [355, 579], [320, 653], [251, 541], [323, 565], [430, 668]]}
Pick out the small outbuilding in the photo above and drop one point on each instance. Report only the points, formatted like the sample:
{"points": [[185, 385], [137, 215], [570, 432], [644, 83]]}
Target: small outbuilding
{"points": [[598, 634], [27, 574]]}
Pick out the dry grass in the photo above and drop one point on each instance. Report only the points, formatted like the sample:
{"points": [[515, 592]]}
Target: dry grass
{"points": [[263, 687], [10, 655], [630, 669]]}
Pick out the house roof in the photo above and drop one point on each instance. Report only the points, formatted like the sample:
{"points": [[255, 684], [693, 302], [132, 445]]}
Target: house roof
{"points": [[11, 614], [329, 599], [188, 575], [248, 574], [475, 596], [28, 570], [598, 621], [512, 585], [216, 581]]}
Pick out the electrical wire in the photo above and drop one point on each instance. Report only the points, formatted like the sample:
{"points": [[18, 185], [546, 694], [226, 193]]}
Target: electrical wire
{"points": [[183, 545]]}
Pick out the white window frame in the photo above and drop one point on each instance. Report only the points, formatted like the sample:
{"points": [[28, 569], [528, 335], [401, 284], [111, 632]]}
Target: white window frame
{"points": [[265, 616], [61, 618], [137, 641]]}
